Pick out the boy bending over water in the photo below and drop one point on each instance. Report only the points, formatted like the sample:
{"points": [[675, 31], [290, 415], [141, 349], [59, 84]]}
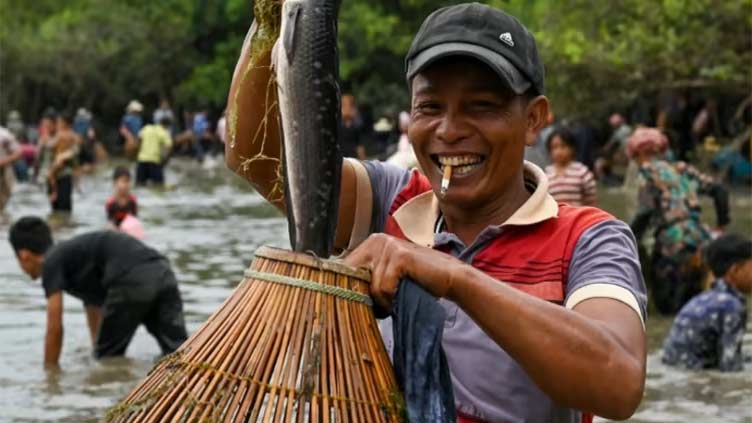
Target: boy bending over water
{"points": [[707, 333]]}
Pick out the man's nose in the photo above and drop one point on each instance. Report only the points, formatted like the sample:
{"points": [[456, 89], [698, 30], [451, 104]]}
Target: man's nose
{"points": [[452, 128]]}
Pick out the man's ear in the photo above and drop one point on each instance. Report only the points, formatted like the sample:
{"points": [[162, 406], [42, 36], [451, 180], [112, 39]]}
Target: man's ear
{"points": [[732, 272], [23, 254], [537, 118]]}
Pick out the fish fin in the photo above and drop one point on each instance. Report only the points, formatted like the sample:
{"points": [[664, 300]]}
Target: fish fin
{"points": [[288, 38]]}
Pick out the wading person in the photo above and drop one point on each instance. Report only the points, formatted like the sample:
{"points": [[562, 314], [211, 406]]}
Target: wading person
{"points": [[130, 126], [10, 151], [545, 303], [122, 202], [155, 144], [708, 331], [668, 201], [122, 283], [62, 167]]}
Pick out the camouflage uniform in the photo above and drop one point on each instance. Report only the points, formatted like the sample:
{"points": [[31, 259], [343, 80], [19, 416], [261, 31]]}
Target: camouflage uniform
{"points": [[668, 201]]}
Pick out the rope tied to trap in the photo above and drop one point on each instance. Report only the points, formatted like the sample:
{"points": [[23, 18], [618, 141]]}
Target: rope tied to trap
{"points": [[336, 291]]}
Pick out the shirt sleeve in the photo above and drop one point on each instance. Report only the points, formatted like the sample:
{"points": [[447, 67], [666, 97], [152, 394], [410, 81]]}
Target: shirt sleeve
{"points": [[605, 264], [730, 357], [53, 274], [387, 181], [707, 185], [648, 197], [166, 139], [588, 188]]}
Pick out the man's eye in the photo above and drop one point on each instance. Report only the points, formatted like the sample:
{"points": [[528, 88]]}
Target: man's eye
{"points": [[484, 104], [428, 106]]}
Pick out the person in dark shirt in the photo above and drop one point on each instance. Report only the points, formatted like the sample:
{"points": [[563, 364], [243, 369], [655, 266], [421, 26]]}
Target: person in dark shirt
{"points": [[351, 130], [121, 281], [121, 203], [707, 333]]}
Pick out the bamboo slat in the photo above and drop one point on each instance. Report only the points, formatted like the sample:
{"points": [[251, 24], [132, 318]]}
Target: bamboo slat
{"points": [[281, 348]]}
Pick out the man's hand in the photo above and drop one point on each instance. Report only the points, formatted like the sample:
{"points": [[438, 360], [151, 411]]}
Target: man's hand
{"points": [[390, 259], [94, 319], [53, 194], [53, 339]]}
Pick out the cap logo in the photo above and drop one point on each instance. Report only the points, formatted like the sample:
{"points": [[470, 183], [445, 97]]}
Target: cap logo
{"points": [[507, 39]]}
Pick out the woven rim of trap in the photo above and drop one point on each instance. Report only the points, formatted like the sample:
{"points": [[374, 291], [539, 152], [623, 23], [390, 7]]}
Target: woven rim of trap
{"points": [[310, 260]]}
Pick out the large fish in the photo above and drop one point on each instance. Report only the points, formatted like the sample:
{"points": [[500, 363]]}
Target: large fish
{"points": [[306, 66]]}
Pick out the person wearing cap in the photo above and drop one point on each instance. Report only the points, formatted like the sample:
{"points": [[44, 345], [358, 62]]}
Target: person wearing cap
{"points": [[155, 144], [545, 302], [668, 198], [131, 124], [121, 281], [707, 333]]}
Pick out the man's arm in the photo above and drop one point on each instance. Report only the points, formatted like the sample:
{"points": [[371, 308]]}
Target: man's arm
{"points": [[94, 319], [53, 339], [707, 185], [252, 132], [590, 358], [253, 142], [11, 158]]}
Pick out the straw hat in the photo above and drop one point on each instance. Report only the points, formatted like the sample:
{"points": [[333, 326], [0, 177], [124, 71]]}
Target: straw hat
{"points": [[134, 106]]}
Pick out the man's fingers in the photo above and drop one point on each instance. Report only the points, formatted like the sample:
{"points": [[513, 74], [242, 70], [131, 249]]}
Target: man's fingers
{"points": [[363, 255], [383, 280], [359, 257]]}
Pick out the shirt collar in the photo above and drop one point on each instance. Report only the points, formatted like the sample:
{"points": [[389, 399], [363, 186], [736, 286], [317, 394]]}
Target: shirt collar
{"points": [[721, 285], [417, 217]]}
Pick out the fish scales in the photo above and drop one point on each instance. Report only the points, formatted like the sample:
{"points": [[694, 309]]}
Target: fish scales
{"points": [[307, 70]]}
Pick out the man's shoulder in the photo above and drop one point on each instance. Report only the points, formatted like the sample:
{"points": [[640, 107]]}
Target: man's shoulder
{"points": [[584, 216], [711, 301], [416, 185]]}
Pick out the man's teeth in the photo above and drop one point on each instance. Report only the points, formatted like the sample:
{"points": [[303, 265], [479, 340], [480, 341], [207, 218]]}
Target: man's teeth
{"points": [[459, 160], [461, 170]]}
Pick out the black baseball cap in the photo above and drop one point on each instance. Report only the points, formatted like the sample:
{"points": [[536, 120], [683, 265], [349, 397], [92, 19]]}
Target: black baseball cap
{"points": [[482, 32]]}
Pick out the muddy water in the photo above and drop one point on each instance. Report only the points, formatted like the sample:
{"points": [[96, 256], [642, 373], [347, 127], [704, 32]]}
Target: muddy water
{"points": [[208, 225]]}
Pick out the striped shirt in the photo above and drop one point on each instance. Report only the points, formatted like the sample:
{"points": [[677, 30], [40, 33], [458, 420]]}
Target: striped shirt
{"points": [[574, 186]]}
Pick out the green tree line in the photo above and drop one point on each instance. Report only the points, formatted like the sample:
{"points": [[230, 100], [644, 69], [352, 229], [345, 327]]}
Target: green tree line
{"points": [[599, 55]]}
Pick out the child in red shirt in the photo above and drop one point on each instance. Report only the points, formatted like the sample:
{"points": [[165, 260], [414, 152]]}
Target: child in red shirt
{"points": [[121, 203]]}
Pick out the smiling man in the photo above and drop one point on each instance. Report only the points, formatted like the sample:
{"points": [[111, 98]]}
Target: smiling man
{"points": [[545, 302]]}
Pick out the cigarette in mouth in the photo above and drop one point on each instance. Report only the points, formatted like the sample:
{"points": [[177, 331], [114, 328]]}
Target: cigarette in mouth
{"points": [[445, 180]]}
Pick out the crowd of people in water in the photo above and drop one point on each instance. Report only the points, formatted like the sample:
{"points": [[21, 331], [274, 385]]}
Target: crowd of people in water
{"points": [[62, 147], [509, 244], [697, 271]]}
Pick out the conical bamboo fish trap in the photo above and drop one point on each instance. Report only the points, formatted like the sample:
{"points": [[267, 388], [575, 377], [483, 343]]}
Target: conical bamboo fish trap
{"points": [[295, 342]]}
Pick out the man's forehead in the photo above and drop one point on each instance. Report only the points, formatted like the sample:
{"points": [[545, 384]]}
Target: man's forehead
{"points": [[473, 80]]}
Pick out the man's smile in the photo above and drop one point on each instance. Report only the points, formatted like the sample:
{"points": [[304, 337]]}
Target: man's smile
{"points": [[462, 163]]}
